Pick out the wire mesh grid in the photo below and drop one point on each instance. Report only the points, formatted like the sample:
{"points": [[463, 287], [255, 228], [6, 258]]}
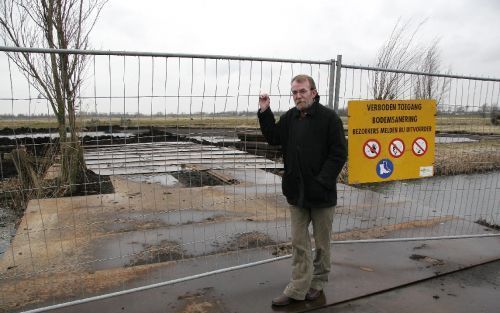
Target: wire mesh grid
{"points": [[178, 173], [467, 142]]}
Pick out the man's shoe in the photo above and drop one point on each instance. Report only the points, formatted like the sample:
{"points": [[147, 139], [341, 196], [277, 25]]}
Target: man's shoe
{"points": [[282, 300], [313, 294]]}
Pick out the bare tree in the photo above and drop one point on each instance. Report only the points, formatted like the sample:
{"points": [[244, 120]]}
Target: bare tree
{"points": [[55, 24], [401, 52], [428, 86], [397, 53]]}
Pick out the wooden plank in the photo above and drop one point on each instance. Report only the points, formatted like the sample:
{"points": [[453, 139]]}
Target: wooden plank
{"points": [[251, 136], [167, 157], [209, 164], [170, 169], [181, 154], [105, 153], [144, 144], [256, 145], [223, 177]]}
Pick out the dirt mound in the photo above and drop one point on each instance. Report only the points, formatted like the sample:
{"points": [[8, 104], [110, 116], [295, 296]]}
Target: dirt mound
{"points": [[253, 239], [164, 251]]}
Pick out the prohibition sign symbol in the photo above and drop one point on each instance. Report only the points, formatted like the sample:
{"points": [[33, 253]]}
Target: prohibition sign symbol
{"points": [[396, 148], [419, 146], [371, 148]]}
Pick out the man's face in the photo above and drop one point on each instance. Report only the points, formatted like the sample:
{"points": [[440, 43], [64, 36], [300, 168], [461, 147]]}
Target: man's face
{"points": [[302, 94]]}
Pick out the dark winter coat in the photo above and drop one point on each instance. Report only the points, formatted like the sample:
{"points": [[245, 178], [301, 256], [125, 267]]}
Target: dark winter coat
{"points": [[314, 151]]}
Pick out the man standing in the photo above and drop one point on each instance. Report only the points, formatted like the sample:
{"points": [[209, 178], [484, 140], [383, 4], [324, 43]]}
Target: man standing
{"points": [[314, 151]]}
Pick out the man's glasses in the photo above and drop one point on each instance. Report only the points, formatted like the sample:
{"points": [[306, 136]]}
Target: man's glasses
{"points": [[300, 92]]}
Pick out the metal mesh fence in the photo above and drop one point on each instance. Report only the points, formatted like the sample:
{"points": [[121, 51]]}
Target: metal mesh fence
{"points": [[467, 142], [179, 181]]}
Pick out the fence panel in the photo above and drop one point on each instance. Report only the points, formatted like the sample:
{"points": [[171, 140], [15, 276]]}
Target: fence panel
{"points": [[180, 182], [467, 142], [176, 174]]}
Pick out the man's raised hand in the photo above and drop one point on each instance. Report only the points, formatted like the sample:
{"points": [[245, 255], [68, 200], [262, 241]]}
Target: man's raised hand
{"points": [[264, 102]]}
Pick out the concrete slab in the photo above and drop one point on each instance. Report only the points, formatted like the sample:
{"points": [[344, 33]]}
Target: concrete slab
{"points": [[161, 157], [359, 269]]}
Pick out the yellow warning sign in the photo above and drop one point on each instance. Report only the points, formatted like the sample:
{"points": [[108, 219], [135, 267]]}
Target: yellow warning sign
{"points": [[391, 139]]}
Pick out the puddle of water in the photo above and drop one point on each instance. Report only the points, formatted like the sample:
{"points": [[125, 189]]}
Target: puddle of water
{"points": [[453, 139], [172, 218], [194, 234], [194, 239], [7, 229], [470, 196], [56, 135]]}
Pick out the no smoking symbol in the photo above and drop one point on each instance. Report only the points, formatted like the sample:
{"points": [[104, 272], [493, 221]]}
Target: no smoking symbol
{"points": [[419, 146], [396, 148], [371, 148]]}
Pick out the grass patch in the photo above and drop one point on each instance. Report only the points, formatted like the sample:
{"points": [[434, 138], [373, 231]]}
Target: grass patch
{"points": [[164, 251], [449, 124], [466, 124], [134, 122], [466, 158]]}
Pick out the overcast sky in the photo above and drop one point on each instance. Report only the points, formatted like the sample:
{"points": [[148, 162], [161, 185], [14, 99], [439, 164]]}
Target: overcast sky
{"points": [[316, 29]]}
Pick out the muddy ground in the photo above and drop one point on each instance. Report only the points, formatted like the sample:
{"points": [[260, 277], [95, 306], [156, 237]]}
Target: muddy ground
{"points": [[69, 247], [58, 239]]}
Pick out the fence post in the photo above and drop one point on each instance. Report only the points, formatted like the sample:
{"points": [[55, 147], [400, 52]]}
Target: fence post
{"points": [[337, 83], [331, 84]]}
